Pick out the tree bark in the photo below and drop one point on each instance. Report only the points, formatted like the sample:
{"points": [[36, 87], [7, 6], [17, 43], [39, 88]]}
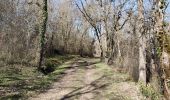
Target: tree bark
{"points": [[142, 44], [42, 29], [161, 5]]}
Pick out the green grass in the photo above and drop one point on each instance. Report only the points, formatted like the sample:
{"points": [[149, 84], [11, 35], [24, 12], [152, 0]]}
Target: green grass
{"points": [[108, 71], [149, 92], [19, 82], [115, 79]]}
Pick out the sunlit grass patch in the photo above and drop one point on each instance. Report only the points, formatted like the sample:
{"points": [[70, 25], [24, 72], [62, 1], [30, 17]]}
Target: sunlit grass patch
{"points": [[149, 92], [28, 81]]}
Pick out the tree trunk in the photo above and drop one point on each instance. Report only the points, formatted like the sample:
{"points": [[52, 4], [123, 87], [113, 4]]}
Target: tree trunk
{"points": [[142, 45], [158, 70], [102, 54], [110, 50], [142, 61], [43, 23]]}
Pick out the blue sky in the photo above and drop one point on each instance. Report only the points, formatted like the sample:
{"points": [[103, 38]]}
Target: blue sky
{"points": [[146, 5], [168, 12]]}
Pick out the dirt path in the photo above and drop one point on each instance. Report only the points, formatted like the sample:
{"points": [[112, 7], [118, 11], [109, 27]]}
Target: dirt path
{"points": [[91, 80]]}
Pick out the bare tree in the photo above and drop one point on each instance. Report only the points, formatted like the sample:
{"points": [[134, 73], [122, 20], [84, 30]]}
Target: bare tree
{"points": [[142, 43], [95, 22]]}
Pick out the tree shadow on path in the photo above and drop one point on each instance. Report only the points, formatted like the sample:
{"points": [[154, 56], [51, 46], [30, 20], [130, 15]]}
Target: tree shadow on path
{"points": [[89, 88]]}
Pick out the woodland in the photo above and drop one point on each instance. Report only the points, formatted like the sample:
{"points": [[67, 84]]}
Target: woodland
{"points": [[84, 50]]}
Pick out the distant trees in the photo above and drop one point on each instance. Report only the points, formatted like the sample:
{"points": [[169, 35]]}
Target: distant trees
{"points": [[136, 41], [93, 16], [22, 32], [18, 38], [107, 21], [71, 34], [27, 35]]}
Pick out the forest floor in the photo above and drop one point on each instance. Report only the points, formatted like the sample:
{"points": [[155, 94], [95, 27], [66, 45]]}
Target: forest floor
{"points": [[89, 79], [19, 82]]}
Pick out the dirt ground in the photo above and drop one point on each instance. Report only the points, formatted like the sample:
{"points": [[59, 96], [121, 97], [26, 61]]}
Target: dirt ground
{"points": [[88, 79]]}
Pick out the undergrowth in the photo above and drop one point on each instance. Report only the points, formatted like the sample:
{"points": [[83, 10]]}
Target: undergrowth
{"points": [[149, 92], [20, 82]]}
